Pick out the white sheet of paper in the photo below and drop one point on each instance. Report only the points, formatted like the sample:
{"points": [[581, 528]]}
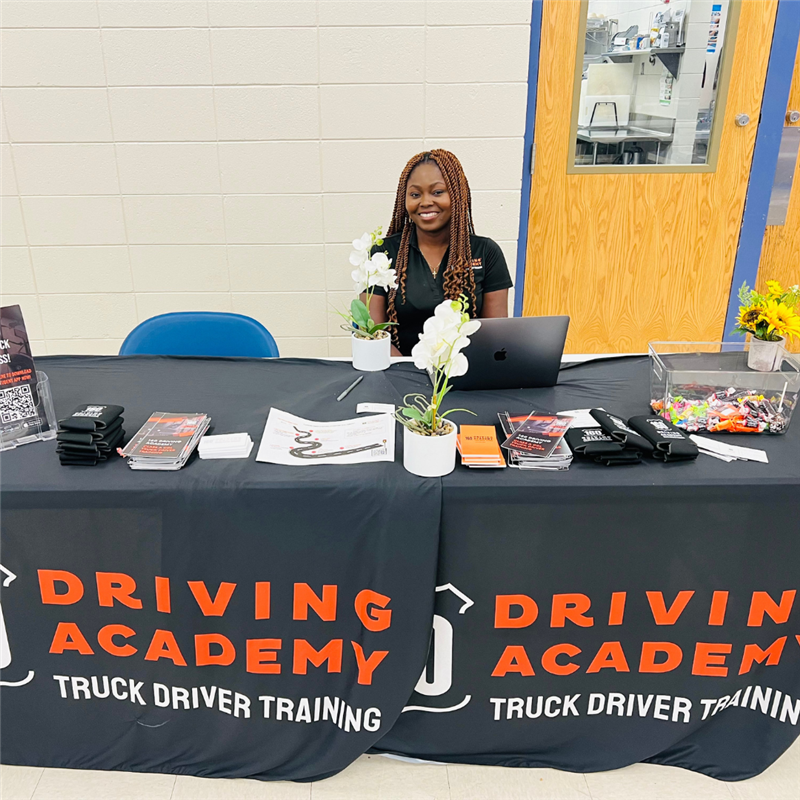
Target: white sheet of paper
{"points": [[225, 445], [581, 418], [718, 455], [747, 453], [375, 408], [224, 440], [295, 441], [242, 452]]}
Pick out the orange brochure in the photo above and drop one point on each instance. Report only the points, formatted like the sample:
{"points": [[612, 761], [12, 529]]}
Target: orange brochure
{"points": [[478, 445]]}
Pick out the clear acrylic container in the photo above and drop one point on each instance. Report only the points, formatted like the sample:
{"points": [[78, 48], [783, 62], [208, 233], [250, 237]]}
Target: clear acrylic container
{"points": [[707, 387], [39, 429]]}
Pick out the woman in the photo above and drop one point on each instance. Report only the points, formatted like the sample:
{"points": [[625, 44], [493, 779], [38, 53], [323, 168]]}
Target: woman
{"points": [[433, 247]]}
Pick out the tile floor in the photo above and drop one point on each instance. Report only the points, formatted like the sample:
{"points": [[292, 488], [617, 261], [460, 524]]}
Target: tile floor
{"points": [[378, 778]]}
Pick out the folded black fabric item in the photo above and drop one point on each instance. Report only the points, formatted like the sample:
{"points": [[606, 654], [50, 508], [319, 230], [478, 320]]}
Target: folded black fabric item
{"points": [[669, 441], [87, 451], [108, 445], [71, 461], [619, 430], [80, 453], [628, 456], [89, 437], [591, 442], [91, 417], [78, 449], [92, 455]]}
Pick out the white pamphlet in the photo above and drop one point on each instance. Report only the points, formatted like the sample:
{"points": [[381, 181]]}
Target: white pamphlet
{"points": [[730, 450], [226, 445], [295, 441], [375, 408], [581, 418]]}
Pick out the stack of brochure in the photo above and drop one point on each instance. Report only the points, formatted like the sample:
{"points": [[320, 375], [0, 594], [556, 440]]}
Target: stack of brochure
{"points": [[228, 445], [535, 440], [479, 447], [165, 441]]}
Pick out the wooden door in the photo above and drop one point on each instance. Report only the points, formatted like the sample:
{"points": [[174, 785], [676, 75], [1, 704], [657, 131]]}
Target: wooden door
{"points": [[634, 258], [780, 254]]}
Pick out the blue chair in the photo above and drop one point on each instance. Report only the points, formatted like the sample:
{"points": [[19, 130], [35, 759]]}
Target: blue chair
{"points": [[200, 333]]}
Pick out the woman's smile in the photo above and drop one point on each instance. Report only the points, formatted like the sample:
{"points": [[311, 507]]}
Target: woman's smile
{"points": [[428, 202]]}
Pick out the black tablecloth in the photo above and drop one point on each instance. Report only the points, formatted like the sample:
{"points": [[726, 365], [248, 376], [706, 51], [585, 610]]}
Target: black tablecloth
{"points": [[632, 542], [702, 527]]}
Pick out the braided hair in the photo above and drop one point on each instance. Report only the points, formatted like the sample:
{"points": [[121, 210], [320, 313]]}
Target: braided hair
{"points": [[458, 275]]}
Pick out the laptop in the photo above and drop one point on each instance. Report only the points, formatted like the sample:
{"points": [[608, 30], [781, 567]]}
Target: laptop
{"points": [[514, 353]]}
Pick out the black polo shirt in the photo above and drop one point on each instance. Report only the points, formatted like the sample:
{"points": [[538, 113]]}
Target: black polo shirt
{"points": [[424, 292]]}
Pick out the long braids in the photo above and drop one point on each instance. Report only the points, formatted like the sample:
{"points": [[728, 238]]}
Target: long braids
{"points": [[458, 277]]}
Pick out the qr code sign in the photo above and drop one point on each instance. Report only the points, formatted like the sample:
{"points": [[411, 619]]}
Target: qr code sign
{"points": [[16, 404]]}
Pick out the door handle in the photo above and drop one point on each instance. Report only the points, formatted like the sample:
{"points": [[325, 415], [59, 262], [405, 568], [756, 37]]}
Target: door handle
{"points": [[793, 116], [742, 119]]}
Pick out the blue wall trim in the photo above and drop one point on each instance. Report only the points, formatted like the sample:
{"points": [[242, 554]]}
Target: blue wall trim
{"points": [[765, 155], [530, 120]]}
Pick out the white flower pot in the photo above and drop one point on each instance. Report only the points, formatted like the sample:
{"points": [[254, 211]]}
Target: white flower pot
{"points": [[429, 456], [372, 355], [765, 356]]}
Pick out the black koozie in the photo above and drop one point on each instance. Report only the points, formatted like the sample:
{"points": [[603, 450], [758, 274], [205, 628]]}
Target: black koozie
{"points": [[91, 437], [618, 429], [670, 442], [617, 459], [591, 442], [91, 417]]}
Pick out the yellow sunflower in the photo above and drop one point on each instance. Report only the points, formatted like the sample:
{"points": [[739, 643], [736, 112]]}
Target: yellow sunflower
{"points": [[774, 289], [749, 316], [781, 319]]}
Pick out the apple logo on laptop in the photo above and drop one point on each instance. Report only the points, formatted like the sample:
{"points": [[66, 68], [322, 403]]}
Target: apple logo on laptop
{"points": [[501, 355]]}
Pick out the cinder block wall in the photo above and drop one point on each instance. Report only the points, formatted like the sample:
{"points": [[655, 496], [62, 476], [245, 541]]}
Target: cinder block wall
{"points": [[220, 155]]}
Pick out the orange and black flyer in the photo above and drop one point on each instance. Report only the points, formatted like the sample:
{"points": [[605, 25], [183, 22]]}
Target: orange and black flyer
{"points": [[20, 406], [538, 434], [165, 435]]}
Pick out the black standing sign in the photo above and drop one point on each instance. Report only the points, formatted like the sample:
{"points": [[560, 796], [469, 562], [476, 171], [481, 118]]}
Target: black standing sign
{"points": [[21, 412]]}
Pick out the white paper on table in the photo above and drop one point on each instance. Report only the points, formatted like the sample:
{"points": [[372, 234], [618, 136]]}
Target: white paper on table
{"points": [[747, 453], [226, 445], [224, 441], [217, 453], [718, 455], [581, 418], [295, 441], [375, 408]]}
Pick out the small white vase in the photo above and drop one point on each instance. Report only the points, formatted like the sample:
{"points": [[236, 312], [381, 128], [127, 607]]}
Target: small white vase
{"points": [[429, 456], [765, 356], [372, 355]]}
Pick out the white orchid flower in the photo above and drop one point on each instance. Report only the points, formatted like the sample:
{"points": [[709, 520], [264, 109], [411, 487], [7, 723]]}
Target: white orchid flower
{"points": [[443, 337], [380, 272], [361, 248], [376, 271], [449, 309], [364, 243], [360, 277], [423, 356], [380, 261], [358, 257], [459, 365]]}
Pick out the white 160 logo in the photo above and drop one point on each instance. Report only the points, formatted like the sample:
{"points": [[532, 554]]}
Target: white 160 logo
{"points": [[442, 647]]}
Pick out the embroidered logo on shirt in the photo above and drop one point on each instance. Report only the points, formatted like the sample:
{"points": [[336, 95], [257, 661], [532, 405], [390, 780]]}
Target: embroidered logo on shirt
{"points": [[477, 263]]}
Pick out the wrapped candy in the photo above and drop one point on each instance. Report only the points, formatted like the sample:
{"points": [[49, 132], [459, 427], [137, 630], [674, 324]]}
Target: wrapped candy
{"points": [[719, 410]]}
